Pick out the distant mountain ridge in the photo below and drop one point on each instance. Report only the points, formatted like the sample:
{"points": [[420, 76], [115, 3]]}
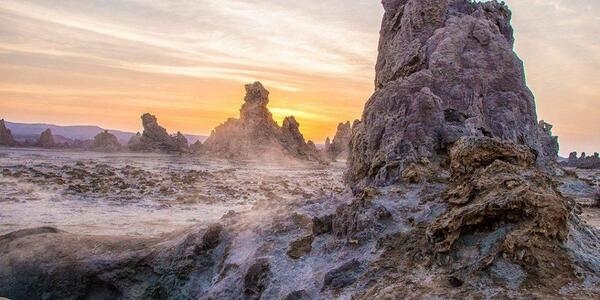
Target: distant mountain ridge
{"points": [[23, 131]]}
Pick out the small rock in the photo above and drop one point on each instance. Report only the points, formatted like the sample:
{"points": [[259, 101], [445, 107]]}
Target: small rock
{"points": [[455, 282], [322, 225], [300, 247], [343, 276], [257, 278]]}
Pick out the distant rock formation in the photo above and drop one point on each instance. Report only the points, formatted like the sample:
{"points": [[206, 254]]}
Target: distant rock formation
{"points": [[446, 69], [46, 140], [105, 142], [549, 142], [196, 147], [255, 135], [155, 138], [583, 162], [341, 142], [6, 138]]}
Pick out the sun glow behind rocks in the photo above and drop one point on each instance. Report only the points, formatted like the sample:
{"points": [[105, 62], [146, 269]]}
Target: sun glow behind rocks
{"points": [[106, 62]]}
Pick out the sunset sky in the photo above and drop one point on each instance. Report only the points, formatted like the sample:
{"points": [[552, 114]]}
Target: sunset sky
{"points": [[107, 62]]}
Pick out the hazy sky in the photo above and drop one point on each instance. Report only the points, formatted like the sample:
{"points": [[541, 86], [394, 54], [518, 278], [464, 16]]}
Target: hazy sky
{"points": [[107, 62]]}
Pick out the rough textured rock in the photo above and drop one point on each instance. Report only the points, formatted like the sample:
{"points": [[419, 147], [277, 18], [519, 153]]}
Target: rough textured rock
{"points": [[496, 189], [155, 138], [583, 161], [6, 138], [255, 135], [341, 141], [477, 219], [300, 247], [106, 142], [445, 69], [146, 268], [498, 229], [256, 279], [506, 228], [46, 140]]}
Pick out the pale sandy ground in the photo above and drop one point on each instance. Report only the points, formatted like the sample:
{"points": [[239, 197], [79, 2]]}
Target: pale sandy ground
{"points": [[142, 194]]}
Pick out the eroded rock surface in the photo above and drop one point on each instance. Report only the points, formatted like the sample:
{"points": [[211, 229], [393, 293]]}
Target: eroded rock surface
{"points": [[446, 69], [499, 228], [106, 142], [155, 138], [255, 135], [450, 196], [6, 138]]}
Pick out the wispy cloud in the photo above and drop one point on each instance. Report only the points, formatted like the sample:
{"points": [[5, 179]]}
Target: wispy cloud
{"points": [[186, 60]]}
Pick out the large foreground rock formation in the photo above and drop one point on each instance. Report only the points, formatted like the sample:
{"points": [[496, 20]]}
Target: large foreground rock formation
{"points": [[155, 138], [6, 138], [445, 69], [440, 210], [255, 135]]}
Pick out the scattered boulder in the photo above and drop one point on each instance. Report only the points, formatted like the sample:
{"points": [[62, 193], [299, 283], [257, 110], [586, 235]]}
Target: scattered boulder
{"points": [[6, 138], [257, 278], [341, 141], [445, 69], [156, 139], [105, 142], [300, 247], [342, 276], [46, 140], [322, 225], [255, 135]]}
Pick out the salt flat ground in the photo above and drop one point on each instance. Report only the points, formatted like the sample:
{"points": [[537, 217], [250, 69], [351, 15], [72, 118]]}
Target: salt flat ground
{"points": [[142, 194], [149, 194]]}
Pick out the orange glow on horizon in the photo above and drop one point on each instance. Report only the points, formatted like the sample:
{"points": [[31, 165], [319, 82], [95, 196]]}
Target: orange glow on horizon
{"points": [[187, 62]]}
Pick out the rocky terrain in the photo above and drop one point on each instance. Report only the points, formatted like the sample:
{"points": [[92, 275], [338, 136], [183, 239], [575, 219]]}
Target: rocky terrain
{"points": [[338, 147], [452, 192], [141, 194], [6, 138], [583, 161], [255, 135], [106, 142], [155, 138]]}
